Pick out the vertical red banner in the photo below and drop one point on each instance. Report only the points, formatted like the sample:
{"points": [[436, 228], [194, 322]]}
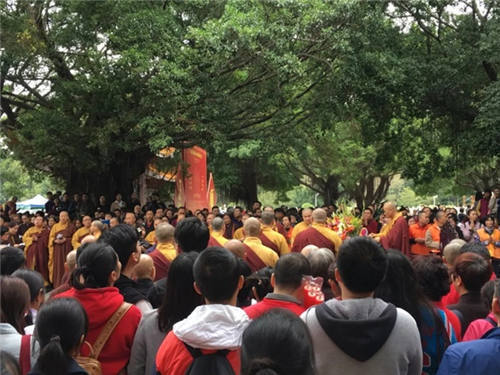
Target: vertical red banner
{"points": [[211, 194], [195, 180], [179, 198]]}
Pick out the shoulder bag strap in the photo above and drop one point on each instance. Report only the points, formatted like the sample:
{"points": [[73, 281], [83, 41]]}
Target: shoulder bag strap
{"points": [[25, 354], [109, 327]]}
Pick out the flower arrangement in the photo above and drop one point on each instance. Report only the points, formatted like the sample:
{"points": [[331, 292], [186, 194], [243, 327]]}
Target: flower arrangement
{"points": [[345, 223]]}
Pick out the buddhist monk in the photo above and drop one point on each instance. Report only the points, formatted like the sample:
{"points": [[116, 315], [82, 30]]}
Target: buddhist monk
{"points": [[30, 239], [394, 234], [271, 238], [59, 247], [304, 224], [277, 226], [165, 251], [82, 232], [258, 255], [96, 228], [317, 234], [237, 248], [217, 235]]}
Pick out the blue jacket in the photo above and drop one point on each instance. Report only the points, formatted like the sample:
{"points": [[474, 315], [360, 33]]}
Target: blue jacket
{"points": [[473, 357]]}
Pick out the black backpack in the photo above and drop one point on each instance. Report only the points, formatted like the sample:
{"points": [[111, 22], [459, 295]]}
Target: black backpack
{"points": [[209, 364]]}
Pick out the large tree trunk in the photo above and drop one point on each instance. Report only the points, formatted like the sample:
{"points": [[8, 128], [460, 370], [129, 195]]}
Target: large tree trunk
{"points": [[331, 190], [371, 190]]}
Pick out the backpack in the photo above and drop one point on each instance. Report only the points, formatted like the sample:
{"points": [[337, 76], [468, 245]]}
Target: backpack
{"points": [[209, 364], [91, 364]]}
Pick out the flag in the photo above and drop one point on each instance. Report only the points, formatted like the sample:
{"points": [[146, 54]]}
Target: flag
{"points": [[211, 194]]}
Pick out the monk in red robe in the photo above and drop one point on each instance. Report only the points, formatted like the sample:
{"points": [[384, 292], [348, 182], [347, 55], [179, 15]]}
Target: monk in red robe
{"points": [[59, 246], [30, 238], [165, 251], [40, 248], [317, 234], [217, 233], [394, 234]]}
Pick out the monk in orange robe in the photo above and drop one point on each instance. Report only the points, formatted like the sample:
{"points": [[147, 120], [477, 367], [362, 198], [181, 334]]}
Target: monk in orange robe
{"points": [[304, 224], [30, 238], [257, 255], [81, 233], [270, 237], [394, 234], [59, 246], [217, 235], [165, 251], [317, 234]]}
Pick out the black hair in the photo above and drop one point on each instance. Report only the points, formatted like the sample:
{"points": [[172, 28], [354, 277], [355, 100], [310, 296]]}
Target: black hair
{"points": [[9, 365], [362, 264], [487, 293], [261, 281], [34, 280], [191, 235], [216, 273], [59, 327], [277, 342], [476, 248], [473, 269], [11, 259], [123, 239], [14, 301], [95, 262], [180, 298], [290, 269], [433, 276]]}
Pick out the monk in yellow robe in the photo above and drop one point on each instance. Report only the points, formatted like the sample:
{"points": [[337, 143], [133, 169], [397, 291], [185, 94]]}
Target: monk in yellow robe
{"points": [[239, 234], [394, 234], [165, 251], [30, 238], [82, 232], [304, 224], [217, 235], [317, 234], [151, 236], [257, 255], [271, 238], [59, 246], [96, 229]]}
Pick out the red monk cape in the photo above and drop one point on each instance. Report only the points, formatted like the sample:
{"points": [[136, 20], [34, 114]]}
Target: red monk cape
{"points": [[398, 237], [161, 263], [40, 251], [311, 236], [60, 252], [270, 244], [253, 260], [213, 242]]}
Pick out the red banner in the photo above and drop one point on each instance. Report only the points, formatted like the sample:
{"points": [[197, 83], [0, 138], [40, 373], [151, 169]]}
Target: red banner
{"points": [[195, 180], [211, 194], [179, 199]]}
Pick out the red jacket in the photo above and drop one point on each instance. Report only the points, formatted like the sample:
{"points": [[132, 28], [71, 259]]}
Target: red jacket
{"points": [[173, 358], [269, 303], [99, 305]]}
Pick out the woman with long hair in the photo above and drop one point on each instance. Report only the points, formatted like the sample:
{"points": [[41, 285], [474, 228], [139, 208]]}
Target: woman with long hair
{"points": [[60, 329], [401, 288], [98, 267], [179, 301]]}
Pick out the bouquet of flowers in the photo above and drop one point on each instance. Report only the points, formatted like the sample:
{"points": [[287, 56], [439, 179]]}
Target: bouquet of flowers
{"points": [[345, 223]]}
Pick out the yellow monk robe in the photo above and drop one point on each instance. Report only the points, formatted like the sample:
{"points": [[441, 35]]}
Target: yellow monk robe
{"points": [[239, 234], [276, 238], [217, 239], [162, 257], [28, 241], [151, 237], [56, 261], [79, 235], [268, 256], [299, 228], [168, 250], [319, 235]]}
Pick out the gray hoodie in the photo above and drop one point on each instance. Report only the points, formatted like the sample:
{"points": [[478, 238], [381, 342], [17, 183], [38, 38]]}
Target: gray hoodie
{"points": [[363, 336]]}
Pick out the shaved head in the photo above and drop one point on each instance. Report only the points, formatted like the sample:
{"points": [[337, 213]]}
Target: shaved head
{"points": [[267, 218], [71, 260], [308, 250], [307, 215], [217, 224], [319, 215], [252, 227], [390, 210], [145, 269], [164, 232], [88, 239], [236, 247]]}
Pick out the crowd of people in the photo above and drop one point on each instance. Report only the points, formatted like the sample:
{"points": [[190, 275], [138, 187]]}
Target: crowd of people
{"points": [[124, 288]]}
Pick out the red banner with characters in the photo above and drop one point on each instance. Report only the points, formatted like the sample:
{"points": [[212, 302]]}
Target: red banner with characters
{"points": [[195, 179]]}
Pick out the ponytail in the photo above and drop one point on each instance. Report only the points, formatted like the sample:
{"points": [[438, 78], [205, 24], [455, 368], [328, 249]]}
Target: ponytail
{"points": [[95, 262], [52, 359]]}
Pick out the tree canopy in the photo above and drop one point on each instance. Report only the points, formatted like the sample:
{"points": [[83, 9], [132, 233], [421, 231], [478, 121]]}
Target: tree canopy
{"points": [[337, 95]]}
